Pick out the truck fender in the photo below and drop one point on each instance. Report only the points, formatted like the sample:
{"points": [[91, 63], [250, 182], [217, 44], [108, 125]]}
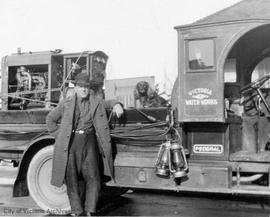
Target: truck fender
{"points": [[20, 188]]}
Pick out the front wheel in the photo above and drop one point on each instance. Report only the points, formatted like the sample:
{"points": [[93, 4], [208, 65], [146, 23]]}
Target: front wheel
{"points": [[47, 196]]}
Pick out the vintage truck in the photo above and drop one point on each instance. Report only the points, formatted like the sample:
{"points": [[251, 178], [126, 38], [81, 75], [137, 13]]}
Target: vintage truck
{"points": [[213, 138]]}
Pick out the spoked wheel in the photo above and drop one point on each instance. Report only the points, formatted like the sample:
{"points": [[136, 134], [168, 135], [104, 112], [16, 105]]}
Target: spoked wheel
{"points": [[47, 196]]}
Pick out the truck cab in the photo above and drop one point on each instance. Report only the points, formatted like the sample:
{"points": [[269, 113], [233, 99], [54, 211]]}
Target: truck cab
{"points": [[222, 97]]}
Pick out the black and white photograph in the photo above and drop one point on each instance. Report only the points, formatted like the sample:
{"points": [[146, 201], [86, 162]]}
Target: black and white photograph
{"points": [[135, 108]]}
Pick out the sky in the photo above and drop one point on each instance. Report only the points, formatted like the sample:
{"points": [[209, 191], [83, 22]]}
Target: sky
{"points": [[137, 35]]}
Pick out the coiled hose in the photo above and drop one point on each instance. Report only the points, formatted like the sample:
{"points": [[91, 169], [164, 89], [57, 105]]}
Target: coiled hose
{"points": [[151, 134]]}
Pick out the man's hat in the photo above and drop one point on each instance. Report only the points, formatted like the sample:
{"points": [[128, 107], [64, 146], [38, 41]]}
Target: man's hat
{"points": [[22, 68], [82, 79]]}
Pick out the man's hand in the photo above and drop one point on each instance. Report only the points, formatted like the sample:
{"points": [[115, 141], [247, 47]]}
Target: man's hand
{"points": [[118, 110]]}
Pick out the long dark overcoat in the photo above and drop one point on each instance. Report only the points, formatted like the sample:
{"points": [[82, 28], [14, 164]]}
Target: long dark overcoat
{"points": [[64, 113]]}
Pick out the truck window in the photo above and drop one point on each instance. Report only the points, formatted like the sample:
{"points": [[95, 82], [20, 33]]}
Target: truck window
{"points": [[230, 71], [262, 69], [201, 54]]}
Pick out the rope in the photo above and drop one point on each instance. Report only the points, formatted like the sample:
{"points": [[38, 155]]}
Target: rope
{"points": [[30, 92], [152, 132], [33, 100], [66, 78]]}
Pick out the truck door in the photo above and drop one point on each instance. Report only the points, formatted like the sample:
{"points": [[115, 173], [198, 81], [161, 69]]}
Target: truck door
{"points": [[201, 94]]}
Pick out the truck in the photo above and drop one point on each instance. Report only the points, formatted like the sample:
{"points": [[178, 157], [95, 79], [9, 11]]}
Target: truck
{"points": [[32, 84], [215, 136]]}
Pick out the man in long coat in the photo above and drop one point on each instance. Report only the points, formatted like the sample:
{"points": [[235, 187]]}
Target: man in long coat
{"points": [[82, 136]]}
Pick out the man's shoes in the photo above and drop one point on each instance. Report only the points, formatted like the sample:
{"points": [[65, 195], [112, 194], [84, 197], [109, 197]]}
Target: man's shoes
{"points": [[87, 214], [82, 214], [76, 214]]}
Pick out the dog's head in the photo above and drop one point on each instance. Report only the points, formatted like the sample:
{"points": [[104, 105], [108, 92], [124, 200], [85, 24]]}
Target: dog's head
{"points": [[142, 88]]}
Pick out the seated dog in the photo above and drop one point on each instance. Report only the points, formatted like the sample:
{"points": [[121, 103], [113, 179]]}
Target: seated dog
{"points": [[145, 96]]}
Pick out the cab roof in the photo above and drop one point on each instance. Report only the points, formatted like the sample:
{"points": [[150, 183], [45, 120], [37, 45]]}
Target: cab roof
{"points": [[245, 10]]}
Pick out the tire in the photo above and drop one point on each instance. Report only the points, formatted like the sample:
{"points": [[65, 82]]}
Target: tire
{"points": [[48, 197]]}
